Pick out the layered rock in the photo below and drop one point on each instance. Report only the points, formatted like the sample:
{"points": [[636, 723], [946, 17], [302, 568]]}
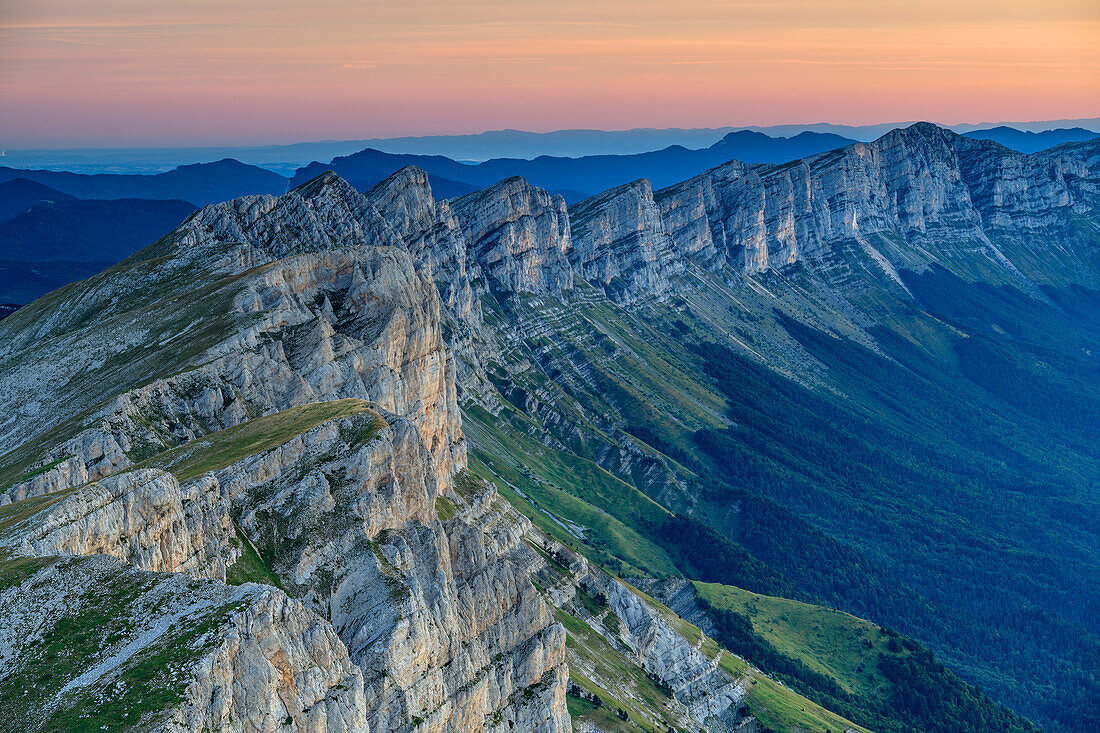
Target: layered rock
{"points": [[696, 680], [324, 213], [620, 243], [430, 232], [914, 196], [360, 322], [446, 627], [691, 212], [144, 518], [519, 234], [440, 617], [274, 662], [142, 651]]}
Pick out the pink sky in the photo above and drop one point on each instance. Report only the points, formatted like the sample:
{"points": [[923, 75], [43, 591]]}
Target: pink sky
{"points": [[160, 72]]}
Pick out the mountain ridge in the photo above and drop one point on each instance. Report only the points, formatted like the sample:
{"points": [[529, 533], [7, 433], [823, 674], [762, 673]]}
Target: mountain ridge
{"points": [[579, 393]]}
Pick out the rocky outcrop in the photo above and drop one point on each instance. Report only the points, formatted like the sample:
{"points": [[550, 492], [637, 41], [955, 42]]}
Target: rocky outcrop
{"points": [[131, 650], [691, 212], [1014, 191], [614, 625], [324, 213], [696, 680], [519, 234], [680, 596], [620, 243], [274, 662], [144, 518], [430, 232], [448, 630], [362, 323], [439, 616]]}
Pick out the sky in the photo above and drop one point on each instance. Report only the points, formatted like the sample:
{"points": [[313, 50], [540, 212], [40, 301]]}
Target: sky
{"points": [[83, 73]]}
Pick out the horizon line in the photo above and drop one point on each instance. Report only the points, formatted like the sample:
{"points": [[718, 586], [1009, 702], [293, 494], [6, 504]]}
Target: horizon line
{"points": [[431, 136]]}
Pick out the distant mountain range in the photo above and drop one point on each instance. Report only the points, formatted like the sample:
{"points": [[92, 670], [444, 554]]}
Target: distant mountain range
{"points": [[285, 159], [60, 221], [202, 183], [577, 178], [1026, 141], [19, 194], [59, 239]]}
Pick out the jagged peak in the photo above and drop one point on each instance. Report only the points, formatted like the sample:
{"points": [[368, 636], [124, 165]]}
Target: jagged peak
{"points": [[520, 234], [506, 200], [506, 187], [927, 128], [408, 177], [325, 212], [326, 184], [640, 188], [731, 170], [407, 182], [918, 133]]}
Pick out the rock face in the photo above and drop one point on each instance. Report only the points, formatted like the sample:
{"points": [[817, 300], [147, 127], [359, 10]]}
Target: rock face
{"points": [[430, 232], [273, 663], [239, 659], [914, 196], [520, 235], [381, 341], [444, 625], [439, 621], [691, 212], [620, 243], [696, 681], [144, 518], [325, 213]]}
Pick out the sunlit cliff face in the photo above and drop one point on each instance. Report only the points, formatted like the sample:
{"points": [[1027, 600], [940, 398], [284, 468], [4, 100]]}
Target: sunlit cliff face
{"points": [[127, 71]]}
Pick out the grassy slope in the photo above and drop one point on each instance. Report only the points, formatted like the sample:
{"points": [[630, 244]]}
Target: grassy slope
{"points": [[825, 640], [556, 488], [217, 450], [873, 675], [111, 612], [776, 706], [188, 305]]}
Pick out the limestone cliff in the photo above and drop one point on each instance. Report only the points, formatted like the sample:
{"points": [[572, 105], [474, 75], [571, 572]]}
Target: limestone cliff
{"points": [[359, 322], [620, 243], [419, 595], [915, 196], [520, 235]]}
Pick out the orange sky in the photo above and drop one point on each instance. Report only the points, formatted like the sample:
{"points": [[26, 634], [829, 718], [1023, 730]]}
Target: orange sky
{"points": [[109, 72]]}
